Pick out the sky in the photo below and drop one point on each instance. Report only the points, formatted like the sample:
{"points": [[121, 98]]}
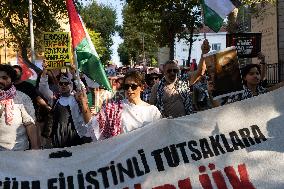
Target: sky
{"points": [[116, 5]]}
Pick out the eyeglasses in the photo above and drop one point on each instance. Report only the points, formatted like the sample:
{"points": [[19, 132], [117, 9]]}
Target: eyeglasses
{"points": [[133, 86], [64, 83], [173, 70]]}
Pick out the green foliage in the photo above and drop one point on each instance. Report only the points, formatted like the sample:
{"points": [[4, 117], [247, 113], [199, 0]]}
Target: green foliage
{"points": [[254, 2], [46, 17], [123, 54], [140, 33], [101, 19], [98, 42], [174, 16], [14, 17], [154, 62]]}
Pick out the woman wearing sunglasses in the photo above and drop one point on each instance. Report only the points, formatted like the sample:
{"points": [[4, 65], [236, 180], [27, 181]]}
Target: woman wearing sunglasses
{"points": [[65, 119], [171, 95], [122, 116]]}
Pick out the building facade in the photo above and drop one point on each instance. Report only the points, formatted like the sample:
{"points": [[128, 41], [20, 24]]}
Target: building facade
{"points": [[216, 40], [270, 22]]}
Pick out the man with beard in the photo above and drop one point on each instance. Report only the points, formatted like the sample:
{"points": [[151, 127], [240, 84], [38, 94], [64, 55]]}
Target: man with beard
{"points": [[17, 127], [171, 95]]}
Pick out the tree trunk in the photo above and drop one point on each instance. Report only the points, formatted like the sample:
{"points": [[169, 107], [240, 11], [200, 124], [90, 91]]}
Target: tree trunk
{"points": [[190, 43], [172, 47], [172, 51]]}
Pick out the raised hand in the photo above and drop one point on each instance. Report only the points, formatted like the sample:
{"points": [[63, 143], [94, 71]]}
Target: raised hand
{"points": [[205, 47], [81, 97], [261, 58]]}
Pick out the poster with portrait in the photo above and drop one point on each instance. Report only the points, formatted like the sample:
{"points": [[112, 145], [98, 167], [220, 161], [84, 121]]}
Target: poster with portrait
{"points": [[248, 45], [224, 71]]}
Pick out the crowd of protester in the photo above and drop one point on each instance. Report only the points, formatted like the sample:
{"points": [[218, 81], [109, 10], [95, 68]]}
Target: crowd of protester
{"points": [[57, 112]]}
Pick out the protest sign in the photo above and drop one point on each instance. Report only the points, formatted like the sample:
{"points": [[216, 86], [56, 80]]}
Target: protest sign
{"points": [[236, 146], [223, 70], [248, 44], [57, 49]]}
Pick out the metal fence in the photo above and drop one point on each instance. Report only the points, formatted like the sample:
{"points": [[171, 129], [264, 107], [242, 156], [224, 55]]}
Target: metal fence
{"points": [[275, 73]]}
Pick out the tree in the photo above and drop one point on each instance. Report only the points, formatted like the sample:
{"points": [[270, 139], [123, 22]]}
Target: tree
{"points": [[46, 17], [101, 19], [252, 3], [14, 17], [175, 16], [98, 42], [140, 33], [192, 23], [123, 54]]}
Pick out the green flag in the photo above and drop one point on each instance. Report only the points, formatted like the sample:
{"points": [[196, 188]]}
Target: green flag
{"points": [[215, 11]]}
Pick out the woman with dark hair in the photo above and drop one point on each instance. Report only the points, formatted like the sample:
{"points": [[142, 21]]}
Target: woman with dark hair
{"points": [[122, 116], [251, 76], [251, 80]]}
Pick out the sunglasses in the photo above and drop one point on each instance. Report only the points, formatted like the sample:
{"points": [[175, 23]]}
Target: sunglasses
{"points": [[64, 83], [133, 86], [154, 78], [173, 70]]}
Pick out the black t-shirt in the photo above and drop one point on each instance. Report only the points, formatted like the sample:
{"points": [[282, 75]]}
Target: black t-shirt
{"points": [[28, 89]]}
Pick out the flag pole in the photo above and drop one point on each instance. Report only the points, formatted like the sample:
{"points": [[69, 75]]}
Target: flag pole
{"points": [[202, 13], [32, 31], [77, 71]]}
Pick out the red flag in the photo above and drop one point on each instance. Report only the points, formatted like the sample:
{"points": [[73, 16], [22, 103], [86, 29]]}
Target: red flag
{"points": [[76, 27], [87, 56]]}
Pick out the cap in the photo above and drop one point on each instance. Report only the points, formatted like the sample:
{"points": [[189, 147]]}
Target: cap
{"points": [[64, 78]]}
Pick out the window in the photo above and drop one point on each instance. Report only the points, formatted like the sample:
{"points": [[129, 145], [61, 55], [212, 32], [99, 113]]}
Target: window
{"points": [[216, 46]]}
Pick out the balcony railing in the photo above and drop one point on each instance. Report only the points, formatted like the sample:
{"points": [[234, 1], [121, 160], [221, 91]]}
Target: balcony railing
{"points": [[275, 73]]}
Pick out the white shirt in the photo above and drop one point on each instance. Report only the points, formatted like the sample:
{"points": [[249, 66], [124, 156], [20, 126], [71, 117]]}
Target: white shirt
{"points": [[136, 116], [132, 117], [14, 136]]}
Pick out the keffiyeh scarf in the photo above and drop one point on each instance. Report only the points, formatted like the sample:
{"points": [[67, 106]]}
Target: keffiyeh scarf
{"points": [[183, 89], [109, 119], [6, 99], [245, 94]]}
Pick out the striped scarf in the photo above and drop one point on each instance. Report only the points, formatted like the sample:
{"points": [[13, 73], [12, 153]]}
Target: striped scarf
{"points": [[6, 99], [109, 119], [183, 89]]}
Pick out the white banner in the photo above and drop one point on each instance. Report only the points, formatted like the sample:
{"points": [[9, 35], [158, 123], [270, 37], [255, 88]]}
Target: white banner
{"points": [[237, 146]]}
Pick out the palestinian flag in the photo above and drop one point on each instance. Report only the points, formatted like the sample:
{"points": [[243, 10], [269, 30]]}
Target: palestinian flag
{"points": [[28, 74], [215, 11], [87, 56]]}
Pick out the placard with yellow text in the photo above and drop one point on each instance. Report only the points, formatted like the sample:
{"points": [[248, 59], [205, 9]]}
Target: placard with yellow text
{"points": [[57, 49]]}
